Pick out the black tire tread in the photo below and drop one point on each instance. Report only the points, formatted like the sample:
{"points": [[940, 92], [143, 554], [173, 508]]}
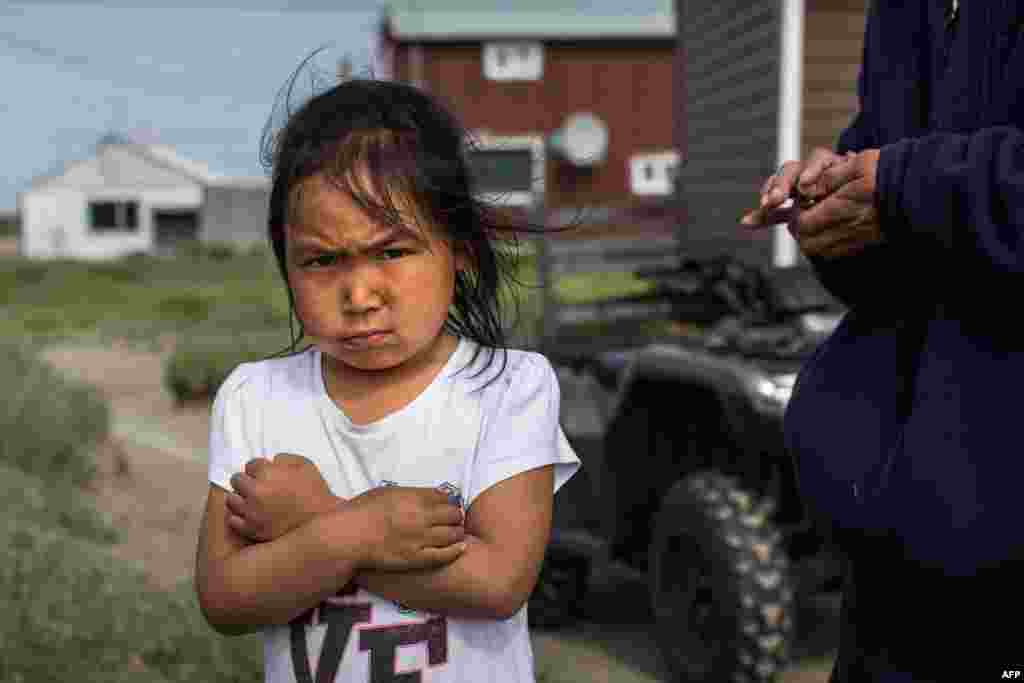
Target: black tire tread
{"points": [[748, 559]]}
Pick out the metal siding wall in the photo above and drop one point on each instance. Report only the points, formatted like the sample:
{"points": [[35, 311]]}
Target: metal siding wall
{"points": [[732, 79]]}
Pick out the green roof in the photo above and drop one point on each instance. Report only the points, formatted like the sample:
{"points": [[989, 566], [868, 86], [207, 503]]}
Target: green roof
{"points": [[553, 19]]}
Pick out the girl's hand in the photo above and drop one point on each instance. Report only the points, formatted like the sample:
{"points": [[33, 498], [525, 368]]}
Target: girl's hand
{"points": [[274, 497], [407, 528]]}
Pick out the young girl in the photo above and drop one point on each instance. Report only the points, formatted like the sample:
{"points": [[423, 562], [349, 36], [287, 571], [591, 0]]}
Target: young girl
{"points": [[400, 526]]}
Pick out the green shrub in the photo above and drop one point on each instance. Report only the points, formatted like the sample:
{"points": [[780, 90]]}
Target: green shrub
{"points": [[70, 611], [135, 267], [29, 273], [201, 362], [50, 423], [201, 251], [10, 225], [220, 251], [187, 305], [31, 499]]}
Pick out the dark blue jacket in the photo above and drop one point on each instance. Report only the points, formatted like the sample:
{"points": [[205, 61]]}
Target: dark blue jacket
{"points": [[906, 426]]}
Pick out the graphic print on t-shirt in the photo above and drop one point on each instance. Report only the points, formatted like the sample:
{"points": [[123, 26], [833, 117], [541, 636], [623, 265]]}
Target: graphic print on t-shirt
{"points": [[345, 618], [342, 616]]}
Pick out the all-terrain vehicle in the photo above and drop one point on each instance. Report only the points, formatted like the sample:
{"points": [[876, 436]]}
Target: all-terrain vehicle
{"points": [[689, 485]]}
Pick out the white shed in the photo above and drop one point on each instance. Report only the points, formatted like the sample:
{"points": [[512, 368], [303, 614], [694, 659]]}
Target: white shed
{"points": [[127, 198]]}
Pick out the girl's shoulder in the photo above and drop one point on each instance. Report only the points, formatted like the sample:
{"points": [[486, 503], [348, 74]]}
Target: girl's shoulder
{"points": [[499, 371], [269, 374]]}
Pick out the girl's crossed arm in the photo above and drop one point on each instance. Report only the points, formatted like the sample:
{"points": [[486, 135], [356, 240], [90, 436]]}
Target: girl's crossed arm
{"points": [[507, 531], [311, 544]]}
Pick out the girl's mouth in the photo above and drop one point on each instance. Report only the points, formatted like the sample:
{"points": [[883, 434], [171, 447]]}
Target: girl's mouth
{"points": [[364, 340]]}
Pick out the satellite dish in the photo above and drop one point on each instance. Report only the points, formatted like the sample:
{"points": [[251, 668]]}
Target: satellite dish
{"points": [[582, 140]]}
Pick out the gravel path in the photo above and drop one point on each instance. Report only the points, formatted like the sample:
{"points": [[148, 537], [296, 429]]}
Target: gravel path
{"points": [[153, 484]]}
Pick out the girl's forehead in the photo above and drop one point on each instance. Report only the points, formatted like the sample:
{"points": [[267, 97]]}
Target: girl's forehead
{"points": [[325, 211]]}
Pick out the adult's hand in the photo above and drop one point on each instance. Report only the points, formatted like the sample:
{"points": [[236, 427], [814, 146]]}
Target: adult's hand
{"points": [[834, 214], [796, 180]]}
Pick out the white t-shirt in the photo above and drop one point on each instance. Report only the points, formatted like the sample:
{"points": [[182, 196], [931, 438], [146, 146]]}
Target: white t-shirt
{"points": [[447, 436]]}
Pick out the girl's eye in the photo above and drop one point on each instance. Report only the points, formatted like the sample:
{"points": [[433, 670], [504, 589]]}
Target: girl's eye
{"points": [[391, 254], [321, 261]]}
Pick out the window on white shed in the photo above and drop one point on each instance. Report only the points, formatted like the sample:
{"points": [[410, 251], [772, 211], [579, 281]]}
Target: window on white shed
{"points": [[513, 61], [653, 174], [105, 216]]}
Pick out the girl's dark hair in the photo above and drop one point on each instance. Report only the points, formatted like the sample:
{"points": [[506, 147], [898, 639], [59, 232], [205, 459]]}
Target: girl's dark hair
{"points": [[410, 146]]}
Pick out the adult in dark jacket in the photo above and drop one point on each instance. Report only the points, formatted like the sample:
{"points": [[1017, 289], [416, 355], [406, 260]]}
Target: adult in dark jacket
{"points": [[906, 425]]}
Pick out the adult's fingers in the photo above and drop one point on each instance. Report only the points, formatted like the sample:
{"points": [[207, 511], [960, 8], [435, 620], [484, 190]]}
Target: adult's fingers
{"points": [[830, 214], [778, 187], [820, 244], [764, 217], [821, 159], [837, 175], [770, 181], [833, 244]]}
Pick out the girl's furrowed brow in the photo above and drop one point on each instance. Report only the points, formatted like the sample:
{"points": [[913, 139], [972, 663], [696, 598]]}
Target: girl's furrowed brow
{"points": [[307, 245]]}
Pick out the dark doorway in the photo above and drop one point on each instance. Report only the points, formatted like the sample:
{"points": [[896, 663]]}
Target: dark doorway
{"points": [[172, 227]]}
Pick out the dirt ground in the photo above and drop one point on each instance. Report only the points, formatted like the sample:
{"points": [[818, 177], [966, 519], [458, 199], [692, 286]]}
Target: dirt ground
{"points": [[8, 246], [153, 485]]}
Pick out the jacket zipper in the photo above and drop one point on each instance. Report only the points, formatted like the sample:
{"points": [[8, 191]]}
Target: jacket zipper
{"points": [[952, 14]]}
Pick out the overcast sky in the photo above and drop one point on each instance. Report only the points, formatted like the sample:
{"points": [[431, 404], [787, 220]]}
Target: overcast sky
{"points": [[201, 79], [201, 76]]}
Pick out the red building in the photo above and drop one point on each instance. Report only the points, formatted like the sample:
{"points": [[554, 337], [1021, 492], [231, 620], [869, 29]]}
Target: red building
{"points": [[567, 105]]}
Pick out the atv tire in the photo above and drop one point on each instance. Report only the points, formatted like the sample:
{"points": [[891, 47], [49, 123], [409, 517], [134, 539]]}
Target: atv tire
{"points": [[557, 598], [720, 587]]}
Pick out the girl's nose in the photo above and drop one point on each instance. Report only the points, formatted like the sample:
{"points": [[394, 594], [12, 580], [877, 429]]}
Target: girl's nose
{"points": [[360, 294]]}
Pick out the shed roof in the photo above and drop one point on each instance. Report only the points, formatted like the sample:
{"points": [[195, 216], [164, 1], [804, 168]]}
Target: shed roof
{"points": [[162, 156], [451, 20]]}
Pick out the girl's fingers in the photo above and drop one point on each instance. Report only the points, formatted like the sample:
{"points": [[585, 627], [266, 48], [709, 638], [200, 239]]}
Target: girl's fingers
{"points": [[235, 503], [446, 515], [242, 484], [237, 523], [255, 467], [444, 536], [438, 557]]}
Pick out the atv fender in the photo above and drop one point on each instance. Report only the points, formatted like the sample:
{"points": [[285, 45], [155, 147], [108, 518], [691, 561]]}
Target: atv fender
{"points": [[733, 380]]}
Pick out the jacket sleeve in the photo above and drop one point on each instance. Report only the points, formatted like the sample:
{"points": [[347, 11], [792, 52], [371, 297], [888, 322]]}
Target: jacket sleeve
{"points": [[947, 192]]}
